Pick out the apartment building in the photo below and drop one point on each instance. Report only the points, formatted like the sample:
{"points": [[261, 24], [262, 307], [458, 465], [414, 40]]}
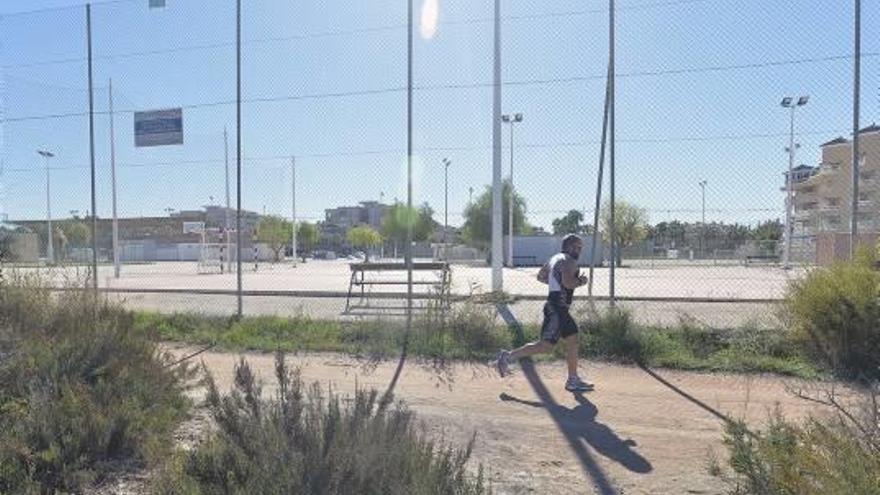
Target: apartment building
{"points": [[823, 194], [367, 212]]}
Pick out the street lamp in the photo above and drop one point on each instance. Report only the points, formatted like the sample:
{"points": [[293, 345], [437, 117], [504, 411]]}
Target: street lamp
{"points": [[446, 164], [703, 224], [790, 103], [50, 251], [511, 120]]}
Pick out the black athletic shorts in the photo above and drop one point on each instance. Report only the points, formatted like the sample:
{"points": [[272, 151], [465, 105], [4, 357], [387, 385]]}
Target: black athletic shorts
{"points": [[557, 323]]}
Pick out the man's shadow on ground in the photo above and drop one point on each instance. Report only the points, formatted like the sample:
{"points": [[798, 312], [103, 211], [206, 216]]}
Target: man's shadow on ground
{"points": [[577, 424], [580, 422]]}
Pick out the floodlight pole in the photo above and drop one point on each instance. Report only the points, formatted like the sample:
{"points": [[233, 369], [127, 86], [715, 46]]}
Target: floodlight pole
{"points": [[792, 104]]}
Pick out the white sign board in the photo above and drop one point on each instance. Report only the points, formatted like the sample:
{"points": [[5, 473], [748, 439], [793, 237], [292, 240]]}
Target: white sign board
{"points": [[193, 227], [158, 127]]}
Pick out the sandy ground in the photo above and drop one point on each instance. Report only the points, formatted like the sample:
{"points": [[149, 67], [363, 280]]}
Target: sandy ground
{"points": [[634, 434]]}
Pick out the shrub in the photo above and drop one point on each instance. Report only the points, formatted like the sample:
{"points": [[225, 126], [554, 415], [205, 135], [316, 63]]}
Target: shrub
{"points": [[816, 457], [612, 334], [80, 391], [834, 314], [306, 441]]}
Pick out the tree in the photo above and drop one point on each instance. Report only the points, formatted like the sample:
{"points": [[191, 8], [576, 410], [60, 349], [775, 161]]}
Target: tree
{"points": [[425, 224], [275, 232], [307, 236], [771, 230], [78, 234], [477, 228], [399, 218], [364, 237], [571, 223], [631, 222]]}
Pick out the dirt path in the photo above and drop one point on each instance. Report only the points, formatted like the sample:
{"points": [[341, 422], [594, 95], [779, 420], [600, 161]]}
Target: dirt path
{"points": [[633, 434]]}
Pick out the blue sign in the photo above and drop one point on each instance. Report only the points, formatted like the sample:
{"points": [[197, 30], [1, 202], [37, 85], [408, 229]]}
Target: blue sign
{"points": [[158, 127]]}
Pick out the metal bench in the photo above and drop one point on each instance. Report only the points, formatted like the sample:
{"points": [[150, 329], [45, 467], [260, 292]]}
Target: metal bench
{"points": [[359, 279]]}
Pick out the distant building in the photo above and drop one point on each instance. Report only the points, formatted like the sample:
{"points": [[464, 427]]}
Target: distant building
{"points": [[368, 213], [823, 194], [157, 234]]}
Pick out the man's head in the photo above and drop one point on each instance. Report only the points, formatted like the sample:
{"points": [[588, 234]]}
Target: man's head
{"points": [[572, 245]]}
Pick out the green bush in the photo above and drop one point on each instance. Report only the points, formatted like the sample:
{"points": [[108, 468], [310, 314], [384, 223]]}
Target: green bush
{"points": [[80, 391], [612, 334], [305, 441], [467, 331], [834, 314], [816, 457]]}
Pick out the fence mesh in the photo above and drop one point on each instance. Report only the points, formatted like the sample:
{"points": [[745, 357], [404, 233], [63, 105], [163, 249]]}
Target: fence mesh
{"points": [[701, 140]]}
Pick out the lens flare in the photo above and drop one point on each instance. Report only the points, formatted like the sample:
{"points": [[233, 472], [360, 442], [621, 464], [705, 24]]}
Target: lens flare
{"points": [[430, 16]]}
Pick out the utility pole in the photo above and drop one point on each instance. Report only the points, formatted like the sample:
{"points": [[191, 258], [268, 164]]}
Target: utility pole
{"points": [[113, 179], [228, 203], [703, 223], [446, 164], [293, 206]]}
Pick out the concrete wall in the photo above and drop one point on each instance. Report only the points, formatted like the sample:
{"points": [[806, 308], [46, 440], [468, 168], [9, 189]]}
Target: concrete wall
{"points": [[831, 247], [148, 251]]}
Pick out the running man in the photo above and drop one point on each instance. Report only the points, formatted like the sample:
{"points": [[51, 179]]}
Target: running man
{"points": [[562, 275]]}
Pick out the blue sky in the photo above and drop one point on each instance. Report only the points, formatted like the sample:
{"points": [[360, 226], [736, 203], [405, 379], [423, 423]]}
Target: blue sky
{"points": [[697, 98]]}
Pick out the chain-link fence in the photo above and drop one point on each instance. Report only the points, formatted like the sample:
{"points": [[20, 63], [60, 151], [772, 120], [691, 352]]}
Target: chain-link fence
{"points": [[701, 167]]}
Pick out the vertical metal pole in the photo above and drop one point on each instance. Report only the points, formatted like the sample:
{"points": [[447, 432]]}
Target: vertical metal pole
{"points": [[446, 201], [293, 207], [238, 154], [857, 83], [614, 247], [497, 235], [113, 180], [510, 230], [50, 248], [92, 151], [409, 150], [599, 183], [703, 223], [228, 203], [789, 228]]}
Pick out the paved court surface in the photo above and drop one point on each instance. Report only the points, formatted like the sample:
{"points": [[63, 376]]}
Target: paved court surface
{"points": [[642, 279]]}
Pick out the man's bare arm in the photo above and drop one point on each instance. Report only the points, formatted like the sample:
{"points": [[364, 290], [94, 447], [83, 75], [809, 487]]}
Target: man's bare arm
{"points": [[570, 277], [544, 274]]}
